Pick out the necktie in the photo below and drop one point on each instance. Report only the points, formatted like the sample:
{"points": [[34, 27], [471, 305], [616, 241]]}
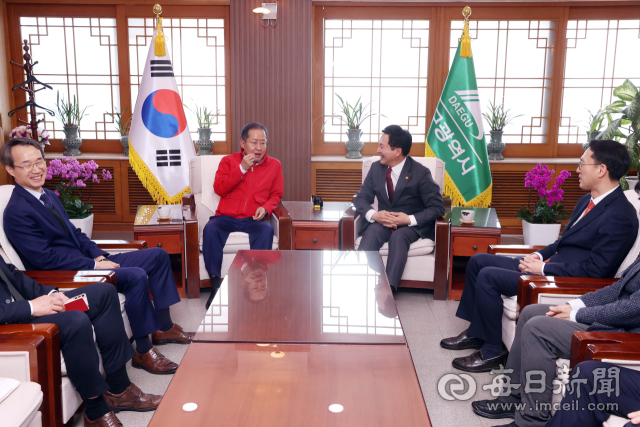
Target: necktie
{"points": [[591, 206], [390, 185], [12, 290], [47, 201]]}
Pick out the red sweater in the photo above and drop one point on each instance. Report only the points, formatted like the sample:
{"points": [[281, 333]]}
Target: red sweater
{"points": [[242, 194]]}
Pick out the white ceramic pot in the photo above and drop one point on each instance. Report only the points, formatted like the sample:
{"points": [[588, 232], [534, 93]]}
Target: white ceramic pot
{"points": [[84, 224], [540, 234]]}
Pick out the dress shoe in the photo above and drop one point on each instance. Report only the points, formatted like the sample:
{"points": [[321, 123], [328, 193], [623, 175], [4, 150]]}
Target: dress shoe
{"points": [[154, 362], [496, 409], [107, 420], [132, 399], [474, 362], [174, 335], [513, 424], [215, 285], [461, 342]]}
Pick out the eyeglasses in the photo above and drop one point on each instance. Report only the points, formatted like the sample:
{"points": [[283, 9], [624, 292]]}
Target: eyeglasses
{"points": [[580, 164], [28, 168], [254, 144]]}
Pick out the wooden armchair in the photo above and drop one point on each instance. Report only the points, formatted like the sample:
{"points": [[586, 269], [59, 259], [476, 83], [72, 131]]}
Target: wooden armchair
{"points": [[199, 206], [31, 352], [427, 264]]}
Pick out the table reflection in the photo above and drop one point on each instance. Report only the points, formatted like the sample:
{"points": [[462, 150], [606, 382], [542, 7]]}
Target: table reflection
{"points": [[303, 296]]}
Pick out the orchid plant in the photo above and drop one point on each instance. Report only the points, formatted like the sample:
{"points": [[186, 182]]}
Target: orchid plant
{"points": [[548, 209], [25, 132], [75, 177]]}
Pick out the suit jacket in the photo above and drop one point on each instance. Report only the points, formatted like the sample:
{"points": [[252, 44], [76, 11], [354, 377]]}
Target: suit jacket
{"points": [[598, 243], [18, 311], [416, 194], [614, 308], [40, 239]]}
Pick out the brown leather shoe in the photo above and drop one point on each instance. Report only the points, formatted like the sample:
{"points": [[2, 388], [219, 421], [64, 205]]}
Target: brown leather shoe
{"points": [[132, 399], [107, 420], [174, 335], [154, 362]]}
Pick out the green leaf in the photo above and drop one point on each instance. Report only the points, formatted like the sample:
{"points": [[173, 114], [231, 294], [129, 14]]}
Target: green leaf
{"points": [[631, 144], [624, 185], [610, 131], [633, 110], [627, 91]]}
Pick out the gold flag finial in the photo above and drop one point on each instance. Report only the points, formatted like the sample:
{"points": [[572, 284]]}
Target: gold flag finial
{"points": [[465, 41], [158, 39]]}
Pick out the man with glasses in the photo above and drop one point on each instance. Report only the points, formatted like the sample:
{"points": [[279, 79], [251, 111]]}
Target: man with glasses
{"points": [[249, 184], [39, 229], [602, 230]]}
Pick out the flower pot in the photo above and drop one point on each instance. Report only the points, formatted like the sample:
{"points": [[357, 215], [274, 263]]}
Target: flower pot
{"points": [[204, 142], [124, 141], [354, 144], [590, 136], [496, 146], [540, 234], [71, 141], [84, 224]]}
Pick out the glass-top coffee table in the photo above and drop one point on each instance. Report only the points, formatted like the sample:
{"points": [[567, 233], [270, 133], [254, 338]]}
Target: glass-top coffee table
{"points": [[303, 297]]}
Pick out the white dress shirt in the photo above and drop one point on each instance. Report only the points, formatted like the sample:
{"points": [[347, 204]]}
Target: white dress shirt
{"points": [[395, 175], [577, 304]]}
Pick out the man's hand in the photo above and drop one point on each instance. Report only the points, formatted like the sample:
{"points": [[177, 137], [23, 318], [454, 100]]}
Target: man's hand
{"points": [[46, 304], [531, 265], [531, 257], [560, 312], [247, 161], [61, 297], [105, 264], [385, 218], [634, 417], [260, 213], [401, 218]]}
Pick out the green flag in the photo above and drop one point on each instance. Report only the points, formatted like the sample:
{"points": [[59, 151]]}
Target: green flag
{"points": [[456, 134]]}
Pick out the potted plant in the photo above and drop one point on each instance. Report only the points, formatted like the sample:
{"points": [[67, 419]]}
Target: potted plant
{"points": [[25, 132], [74, 178], [595, 125], [540, 226], [122, 127], [70, 114], [205, 119], [497, 119]]}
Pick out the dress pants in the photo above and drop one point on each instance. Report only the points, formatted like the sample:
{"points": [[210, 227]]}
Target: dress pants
{"points": [[488, 277], [539, 342], [216, 233], [139, 272], [584, 405], [377, 235], [76, 338]]}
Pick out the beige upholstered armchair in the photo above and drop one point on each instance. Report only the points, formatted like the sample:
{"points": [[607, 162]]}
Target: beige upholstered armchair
{"points": [[427, 264], [200, 205]]}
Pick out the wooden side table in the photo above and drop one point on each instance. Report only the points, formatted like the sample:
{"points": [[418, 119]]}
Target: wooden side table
{"points": [[468, 240], [315, 229], [166, 234]]}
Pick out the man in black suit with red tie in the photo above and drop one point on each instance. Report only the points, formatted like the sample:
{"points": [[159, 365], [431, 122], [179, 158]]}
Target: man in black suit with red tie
{"points": [[409, 202], [22, 300]]}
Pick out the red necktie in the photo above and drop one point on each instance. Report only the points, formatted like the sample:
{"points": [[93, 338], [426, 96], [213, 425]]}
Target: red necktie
{"points": [[390, 185], [591, 206]]}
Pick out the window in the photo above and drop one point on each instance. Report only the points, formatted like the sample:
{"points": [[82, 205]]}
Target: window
{"points": [[513, 62], [601, 54], [77, 57], [197, 51]]}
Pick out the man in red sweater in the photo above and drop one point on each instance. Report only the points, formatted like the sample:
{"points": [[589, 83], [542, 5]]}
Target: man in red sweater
{"points": [[249, 184]]}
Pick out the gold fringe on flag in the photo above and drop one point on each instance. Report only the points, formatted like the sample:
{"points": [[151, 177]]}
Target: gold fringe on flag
{"points": [[150, 182], [483, 200], [158, 39], [465, 41]]}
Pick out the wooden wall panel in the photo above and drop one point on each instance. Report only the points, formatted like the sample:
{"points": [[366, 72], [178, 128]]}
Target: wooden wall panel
{"points": [[271, 83], [336, 182]]}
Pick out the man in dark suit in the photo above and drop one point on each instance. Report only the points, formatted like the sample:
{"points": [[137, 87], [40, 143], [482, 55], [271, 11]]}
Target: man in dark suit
{"points": [[543, 335], [601, 232], [40, 231], [585, 404], [22, 300], [409, 202]]}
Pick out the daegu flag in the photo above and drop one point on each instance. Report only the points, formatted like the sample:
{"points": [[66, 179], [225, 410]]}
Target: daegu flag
{"points": [[160, 145], [456, 135]]}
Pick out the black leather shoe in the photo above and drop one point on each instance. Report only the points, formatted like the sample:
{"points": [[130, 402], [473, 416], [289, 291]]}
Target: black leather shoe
{"points": [[495, 409], [474, 362], [513, 424], [461, 342], [215, 285]]}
